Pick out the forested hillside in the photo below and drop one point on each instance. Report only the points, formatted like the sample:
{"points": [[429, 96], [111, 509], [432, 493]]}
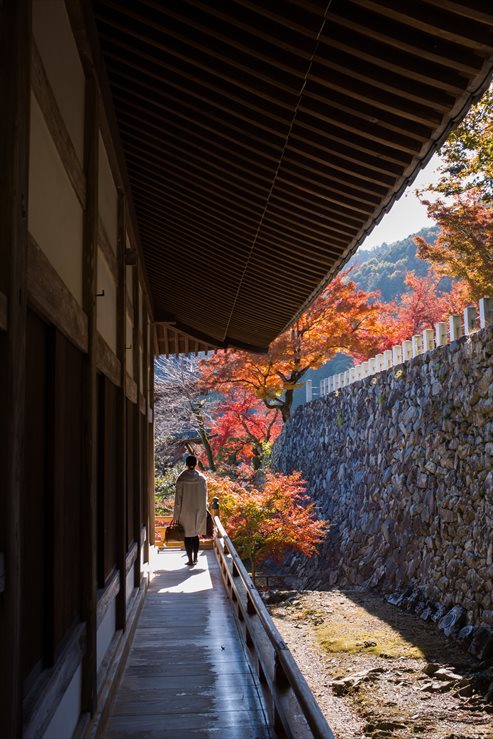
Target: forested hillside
{"points": [[385, 267]]}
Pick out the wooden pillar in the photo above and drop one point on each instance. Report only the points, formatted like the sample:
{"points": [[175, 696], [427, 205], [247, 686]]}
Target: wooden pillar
{"points": [[15, 84], [151, 466], [137, 456], [121, 512], [89, 489], [145, 437]]}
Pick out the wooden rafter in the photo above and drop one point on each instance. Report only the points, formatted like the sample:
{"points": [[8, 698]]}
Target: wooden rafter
{"points": [[258, 135]]}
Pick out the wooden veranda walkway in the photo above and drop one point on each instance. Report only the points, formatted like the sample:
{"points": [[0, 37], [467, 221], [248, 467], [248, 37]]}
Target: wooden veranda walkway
{"points": [[187, 673]]}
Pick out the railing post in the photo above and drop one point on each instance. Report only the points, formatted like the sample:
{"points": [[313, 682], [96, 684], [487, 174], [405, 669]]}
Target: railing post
{"points": [[407, 350], [280, 675], [215, 506], [428, 340], [456, 331], [396, 355], [250, 606], [441, 334], [470, 319], [417, 344], [485, 311], [309, 391], [387, 359]]}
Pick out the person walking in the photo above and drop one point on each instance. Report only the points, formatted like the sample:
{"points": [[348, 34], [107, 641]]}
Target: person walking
{"points": [[191, 506]]}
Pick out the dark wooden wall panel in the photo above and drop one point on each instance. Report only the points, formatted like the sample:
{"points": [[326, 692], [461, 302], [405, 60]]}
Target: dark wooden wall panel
{"points": [[110, 476], [34, 503], [67, 450], [131, 482], [107, 478], [51, 495], [143, 471], [100, 483]]}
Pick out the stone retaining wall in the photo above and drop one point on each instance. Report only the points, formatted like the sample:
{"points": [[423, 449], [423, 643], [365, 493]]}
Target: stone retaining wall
{"points": [[402, 465]]}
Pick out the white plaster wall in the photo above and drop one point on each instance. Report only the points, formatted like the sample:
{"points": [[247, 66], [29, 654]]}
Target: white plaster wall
{"points": [[63, 723], [130, 584], [53, 36], [106, 632], [107, 194], [130, 349], [55, 215], [106, 304]]}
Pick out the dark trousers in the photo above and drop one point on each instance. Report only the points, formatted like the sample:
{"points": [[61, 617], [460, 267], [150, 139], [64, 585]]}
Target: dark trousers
{"points": [[192, 546]]}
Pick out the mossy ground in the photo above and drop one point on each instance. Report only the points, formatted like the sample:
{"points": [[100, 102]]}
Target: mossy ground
{"points": [[335, 635]]}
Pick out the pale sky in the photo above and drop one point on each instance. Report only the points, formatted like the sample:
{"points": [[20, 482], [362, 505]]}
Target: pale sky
{"points": [[407, 214]]}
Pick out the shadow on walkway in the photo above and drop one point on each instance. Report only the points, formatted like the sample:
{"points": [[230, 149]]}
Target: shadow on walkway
{"points": [[187, 674]]}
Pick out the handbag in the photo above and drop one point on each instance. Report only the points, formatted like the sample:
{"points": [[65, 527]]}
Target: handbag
{"points": [[174, 532]]}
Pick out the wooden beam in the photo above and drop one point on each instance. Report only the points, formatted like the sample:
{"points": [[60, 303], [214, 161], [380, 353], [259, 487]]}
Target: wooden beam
{"points": [[121, 329], [131, 388], [107, 361], [89, 497], [15, 88], [4, 306], [106, 596], [49, 294], [155, 339], [107, 250], [129, 305]]}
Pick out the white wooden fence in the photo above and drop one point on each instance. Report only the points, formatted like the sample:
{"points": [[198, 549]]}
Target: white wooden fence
{"points": [[426, 341]]}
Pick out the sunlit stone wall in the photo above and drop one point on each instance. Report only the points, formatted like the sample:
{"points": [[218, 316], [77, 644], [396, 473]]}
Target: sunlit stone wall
{"points": [[402, 465]]}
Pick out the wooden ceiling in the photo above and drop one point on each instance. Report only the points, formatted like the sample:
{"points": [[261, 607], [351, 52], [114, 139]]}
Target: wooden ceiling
{"points": [[264, 139]]}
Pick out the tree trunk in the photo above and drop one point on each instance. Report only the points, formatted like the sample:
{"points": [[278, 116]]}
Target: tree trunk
{"points": [[287, 405], [208, 450]]}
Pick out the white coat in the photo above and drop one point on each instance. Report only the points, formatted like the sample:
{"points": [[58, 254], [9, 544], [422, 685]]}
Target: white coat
{"points": [[191, 502]]}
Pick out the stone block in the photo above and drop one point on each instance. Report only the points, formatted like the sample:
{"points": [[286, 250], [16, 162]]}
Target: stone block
{"points": [[466, 633], [453, 621], [481, 645]]}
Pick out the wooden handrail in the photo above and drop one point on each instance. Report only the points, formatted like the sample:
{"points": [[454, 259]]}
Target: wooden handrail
{"points": [[278, 672]]}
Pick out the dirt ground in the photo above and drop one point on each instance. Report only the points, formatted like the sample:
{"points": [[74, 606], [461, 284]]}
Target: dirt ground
{"points": [[377, 671]]}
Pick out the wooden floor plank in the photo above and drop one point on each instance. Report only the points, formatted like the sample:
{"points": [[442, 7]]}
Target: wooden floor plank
{"points": [[187, 673]]}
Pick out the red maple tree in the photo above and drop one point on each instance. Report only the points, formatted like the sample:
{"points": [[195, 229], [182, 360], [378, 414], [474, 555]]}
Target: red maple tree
{"points": [[243, 429], [464, 247], [341, 319], [268, 521], [421, 307]]}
